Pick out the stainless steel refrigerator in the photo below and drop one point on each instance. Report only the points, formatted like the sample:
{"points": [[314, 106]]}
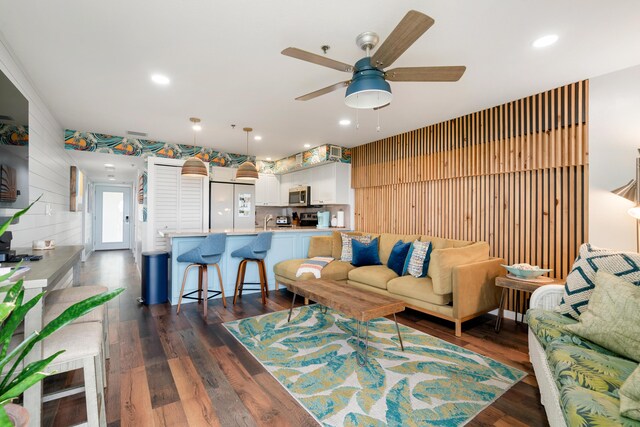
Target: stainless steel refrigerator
{"points": [[232, 206]]}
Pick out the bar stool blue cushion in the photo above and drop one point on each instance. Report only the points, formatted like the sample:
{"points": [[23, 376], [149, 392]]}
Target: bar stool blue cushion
{"points": [[257, 249], [208, 252]]}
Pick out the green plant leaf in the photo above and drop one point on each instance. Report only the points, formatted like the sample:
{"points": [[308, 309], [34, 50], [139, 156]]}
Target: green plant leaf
{"points": [[4, 418], [5, 310], [14, 290], [69, 315], [13, 321], [24, 377], [6, 276], [16, 391], [15, 216]]}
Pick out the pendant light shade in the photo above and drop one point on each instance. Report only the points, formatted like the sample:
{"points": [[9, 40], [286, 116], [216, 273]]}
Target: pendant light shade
{"points": [[194, 166], [247, 170]]}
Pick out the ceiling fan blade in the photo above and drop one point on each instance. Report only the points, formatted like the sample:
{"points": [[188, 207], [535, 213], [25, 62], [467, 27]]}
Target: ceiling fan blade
{"points": [[426, 74], [382, 106], [413, 25], [323, 91], [317, 59]]}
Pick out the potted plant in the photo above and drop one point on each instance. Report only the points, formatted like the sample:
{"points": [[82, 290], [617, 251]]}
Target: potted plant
{"points": [[14, 378]]}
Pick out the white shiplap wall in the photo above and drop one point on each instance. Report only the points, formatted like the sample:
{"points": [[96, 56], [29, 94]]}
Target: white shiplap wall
{"points": [[48, 169]]}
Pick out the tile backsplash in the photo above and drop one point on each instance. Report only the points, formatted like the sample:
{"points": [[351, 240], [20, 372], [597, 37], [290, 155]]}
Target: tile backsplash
{"points": [[262, 211]]}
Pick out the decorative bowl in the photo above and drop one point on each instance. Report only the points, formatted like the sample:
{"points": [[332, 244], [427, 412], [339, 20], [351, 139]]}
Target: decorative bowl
{"points": [[525, 271]]}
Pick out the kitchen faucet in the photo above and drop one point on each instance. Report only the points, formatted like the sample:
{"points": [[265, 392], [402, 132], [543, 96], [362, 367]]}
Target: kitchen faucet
{"points": [[266, 221]]}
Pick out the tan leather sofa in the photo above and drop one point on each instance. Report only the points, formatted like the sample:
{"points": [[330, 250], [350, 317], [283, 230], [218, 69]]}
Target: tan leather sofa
{"points": [[459, 285]]}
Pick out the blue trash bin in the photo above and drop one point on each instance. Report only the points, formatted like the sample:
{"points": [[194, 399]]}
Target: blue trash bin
{"points": [[155, 277]]}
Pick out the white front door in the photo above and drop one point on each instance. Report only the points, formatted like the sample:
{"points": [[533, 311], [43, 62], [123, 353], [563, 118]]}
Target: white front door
{"points": [[112, 217]]}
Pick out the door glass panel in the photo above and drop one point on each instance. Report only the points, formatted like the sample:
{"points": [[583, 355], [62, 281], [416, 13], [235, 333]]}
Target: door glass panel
{"points": [[112, 217]]}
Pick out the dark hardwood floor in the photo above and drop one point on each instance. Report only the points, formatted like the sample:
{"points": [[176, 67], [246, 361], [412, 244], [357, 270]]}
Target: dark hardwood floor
{"points": [[170, 370]]}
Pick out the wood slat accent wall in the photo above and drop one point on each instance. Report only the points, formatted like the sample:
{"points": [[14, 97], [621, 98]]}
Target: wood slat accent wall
{"points": [[515, 175]]}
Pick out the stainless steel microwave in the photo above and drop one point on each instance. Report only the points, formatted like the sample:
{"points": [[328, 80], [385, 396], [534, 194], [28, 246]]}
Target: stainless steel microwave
{"points": [[299, 196]]}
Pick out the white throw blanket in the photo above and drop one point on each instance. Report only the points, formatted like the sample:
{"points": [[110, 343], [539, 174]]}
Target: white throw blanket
{"points": [[314, 266]]}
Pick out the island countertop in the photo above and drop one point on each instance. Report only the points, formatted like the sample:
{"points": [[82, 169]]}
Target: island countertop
{"points": [[254, 231]]}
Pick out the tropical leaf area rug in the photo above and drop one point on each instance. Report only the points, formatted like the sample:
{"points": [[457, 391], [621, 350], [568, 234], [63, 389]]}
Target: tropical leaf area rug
{"points": [[431, 383]]}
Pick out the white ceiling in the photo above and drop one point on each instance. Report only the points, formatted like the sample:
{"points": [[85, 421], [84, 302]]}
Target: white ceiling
{"points": [[91, 61], [93, 165]]}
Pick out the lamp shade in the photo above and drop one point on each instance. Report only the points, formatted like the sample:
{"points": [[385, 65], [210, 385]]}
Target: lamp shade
{"points": [[628, 191], [247, 170], [195, 167], [368, 88]]}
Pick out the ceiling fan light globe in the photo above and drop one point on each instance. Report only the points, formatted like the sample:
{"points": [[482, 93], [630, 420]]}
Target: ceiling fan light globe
{"points": [[368, 90]]}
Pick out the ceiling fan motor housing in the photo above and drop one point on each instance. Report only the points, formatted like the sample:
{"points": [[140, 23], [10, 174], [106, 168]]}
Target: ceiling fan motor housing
{"points": [[368, 88]]}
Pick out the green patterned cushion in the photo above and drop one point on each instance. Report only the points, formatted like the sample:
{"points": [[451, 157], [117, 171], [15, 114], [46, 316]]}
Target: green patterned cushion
{"points": [[548, 326], [612, 318], [587, 408], [581, 280], [573, 365], [630, 396]]}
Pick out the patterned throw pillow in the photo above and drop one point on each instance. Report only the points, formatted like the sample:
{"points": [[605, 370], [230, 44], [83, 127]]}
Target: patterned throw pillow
{"points": [[415, 264], [347, 250], [581, 279]]}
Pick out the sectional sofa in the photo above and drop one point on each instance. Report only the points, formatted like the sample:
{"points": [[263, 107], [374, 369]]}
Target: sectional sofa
{"points": [[459, 285]]}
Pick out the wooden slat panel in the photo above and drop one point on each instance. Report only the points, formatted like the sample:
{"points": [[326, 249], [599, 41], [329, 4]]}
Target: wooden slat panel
{"points": [[514, 175]]}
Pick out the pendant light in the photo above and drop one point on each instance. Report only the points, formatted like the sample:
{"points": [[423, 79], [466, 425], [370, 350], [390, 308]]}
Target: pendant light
{"points": [[194, 166], [247, 170]]}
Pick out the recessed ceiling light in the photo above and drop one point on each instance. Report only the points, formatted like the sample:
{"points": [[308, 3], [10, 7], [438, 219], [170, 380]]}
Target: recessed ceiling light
{"points": [[344, 122], [307, 145], [545, 41], [109, 165], [257, 138], [112, 179], [160, 79], [268, 159]]}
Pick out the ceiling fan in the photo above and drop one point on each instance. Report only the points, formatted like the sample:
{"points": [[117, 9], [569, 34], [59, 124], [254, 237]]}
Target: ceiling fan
{"points": [[368, 87]]}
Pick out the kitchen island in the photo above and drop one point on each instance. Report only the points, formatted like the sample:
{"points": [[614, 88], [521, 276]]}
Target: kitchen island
{"points": [[287, 243]]}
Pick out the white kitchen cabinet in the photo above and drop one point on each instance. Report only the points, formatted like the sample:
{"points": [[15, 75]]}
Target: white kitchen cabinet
{"points": [[223, 174], [268, 190], [300, 177], [330, 184], [285, 185]]}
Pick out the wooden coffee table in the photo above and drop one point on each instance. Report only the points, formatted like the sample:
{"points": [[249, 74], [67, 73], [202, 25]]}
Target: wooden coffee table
{"points": [[359, 304]]}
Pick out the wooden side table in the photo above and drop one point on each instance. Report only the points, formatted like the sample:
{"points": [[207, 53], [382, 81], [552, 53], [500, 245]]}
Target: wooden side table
{"points": [[518, 285]]}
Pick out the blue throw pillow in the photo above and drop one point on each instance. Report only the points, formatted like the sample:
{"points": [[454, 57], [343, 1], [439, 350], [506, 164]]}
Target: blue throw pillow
{"points": [[398, 256], [365, 253], [405, 267]]}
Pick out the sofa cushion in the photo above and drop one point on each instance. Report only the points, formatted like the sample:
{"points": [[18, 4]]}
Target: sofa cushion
{"points": [[347, 245], [336, 242], [574, 365], [621, 332], [364, 254], [444, 260], [373, 275], [580, 281], [417, 262], [417, 288], [398, 256], [587, 408], [441, 243], [630, 396], [388, 240], [320, 246], [335, 270], [549, 326]]}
